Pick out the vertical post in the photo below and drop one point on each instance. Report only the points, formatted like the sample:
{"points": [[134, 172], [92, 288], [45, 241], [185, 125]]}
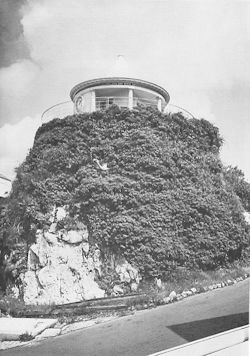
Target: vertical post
{"points": [[159, 104], [93, 103], [130, 99]]}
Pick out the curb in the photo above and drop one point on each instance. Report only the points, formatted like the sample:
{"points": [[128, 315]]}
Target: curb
{"points": [[174, 297], [67, 328]]}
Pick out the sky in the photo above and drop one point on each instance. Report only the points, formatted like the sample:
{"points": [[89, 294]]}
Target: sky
{"points": [[197, 50]]}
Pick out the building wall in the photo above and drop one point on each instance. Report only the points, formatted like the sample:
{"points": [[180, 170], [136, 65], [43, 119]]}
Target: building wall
{"points": [[83, 102]]}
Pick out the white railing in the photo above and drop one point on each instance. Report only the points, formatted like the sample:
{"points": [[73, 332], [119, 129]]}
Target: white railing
{"points": [[145, 102], [103, 102], [174, 109], [66, 108], [58, 111]]}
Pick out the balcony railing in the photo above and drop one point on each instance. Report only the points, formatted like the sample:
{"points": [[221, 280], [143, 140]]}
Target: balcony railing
{"points": [[102, 103], [145, 102], [174, 109], [58, 111]]}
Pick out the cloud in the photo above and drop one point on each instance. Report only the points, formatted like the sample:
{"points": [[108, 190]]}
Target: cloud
{"points": [[12, 42], [187, 47], [191, 48], [15, 141], [16, 83]]}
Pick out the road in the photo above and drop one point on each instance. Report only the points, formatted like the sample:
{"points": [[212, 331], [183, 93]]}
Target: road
{"points": [[152, 330]]}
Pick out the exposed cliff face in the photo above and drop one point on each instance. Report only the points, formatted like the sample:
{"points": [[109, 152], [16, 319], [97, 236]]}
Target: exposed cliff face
{"points": [[63, 267]]}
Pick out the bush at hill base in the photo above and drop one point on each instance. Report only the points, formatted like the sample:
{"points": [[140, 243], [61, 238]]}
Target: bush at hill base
{"points": [[163, 202]]}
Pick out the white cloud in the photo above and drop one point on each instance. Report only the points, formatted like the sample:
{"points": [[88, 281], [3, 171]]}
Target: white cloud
{"points": [[189, 47], [16, 83], [15, 141]]}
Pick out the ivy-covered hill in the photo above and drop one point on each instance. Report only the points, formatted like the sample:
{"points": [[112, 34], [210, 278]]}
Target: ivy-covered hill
{"points": [[163, 201]]}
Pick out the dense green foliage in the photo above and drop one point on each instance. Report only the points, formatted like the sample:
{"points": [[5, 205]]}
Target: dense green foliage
{"points": [[162, 203], [235, 178]]}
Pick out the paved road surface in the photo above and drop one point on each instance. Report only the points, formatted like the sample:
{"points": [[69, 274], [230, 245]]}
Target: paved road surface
{"points": [[152, 330]]}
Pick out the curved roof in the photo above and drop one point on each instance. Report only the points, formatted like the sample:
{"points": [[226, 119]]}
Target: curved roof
{"points": [[119, 81]]}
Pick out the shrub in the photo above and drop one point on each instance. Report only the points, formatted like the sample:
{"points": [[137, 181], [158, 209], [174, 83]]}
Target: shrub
{"points": [[163, 202]]}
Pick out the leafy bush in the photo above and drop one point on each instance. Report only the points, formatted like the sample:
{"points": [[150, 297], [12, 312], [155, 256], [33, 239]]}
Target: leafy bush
{"points": [[235, 178], [163, 202]]}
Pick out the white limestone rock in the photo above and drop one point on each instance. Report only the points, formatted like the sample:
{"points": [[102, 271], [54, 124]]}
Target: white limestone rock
{"points": [[61, 272], [50, 237], [127, 272], [118, 290], [62, 265], [179, 297], [37, 254], [134, 287], [58, 214], [53, 227], [172, 296], [158, 283], [85, 248], [74, 237], [166, 300], [61, 213], [52, 216], [247, 216], [33, 260], [90, 288], [30, 287]]}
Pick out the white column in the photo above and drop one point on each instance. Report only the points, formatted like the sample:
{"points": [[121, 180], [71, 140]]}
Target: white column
{"points": [[159, 104], [93, 104], [130, 99]]}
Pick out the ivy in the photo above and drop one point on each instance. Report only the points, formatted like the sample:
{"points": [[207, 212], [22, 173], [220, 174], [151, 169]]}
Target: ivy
{"points": [[164, 202]]}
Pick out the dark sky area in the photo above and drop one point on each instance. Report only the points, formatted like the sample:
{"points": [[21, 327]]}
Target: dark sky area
{"points": [[12, 43]]}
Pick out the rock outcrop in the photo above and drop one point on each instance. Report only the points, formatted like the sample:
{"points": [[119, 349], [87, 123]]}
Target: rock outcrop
{"points": [[63, 267]]}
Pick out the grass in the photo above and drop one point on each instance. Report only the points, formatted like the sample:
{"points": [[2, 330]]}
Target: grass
{"points": [[182, 280], [25, 337], [16, 307]]}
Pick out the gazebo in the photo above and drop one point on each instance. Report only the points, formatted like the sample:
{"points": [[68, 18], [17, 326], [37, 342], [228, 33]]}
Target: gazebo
{"points": [[99, 94]]}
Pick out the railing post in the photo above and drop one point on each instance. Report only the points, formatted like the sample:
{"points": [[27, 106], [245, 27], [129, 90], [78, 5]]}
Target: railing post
{"points": [[130, 99], [93, 101], [159, 104]]}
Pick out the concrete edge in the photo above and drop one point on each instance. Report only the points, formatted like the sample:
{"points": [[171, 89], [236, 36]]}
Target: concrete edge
{"points": [[210, 344]]}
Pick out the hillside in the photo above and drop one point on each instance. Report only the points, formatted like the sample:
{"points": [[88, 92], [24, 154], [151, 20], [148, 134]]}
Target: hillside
{"points": [[149, 187]]}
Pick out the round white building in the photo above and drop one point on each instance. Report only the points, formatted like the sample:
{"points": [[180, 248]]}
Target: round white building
{"points": [[99, 94]]}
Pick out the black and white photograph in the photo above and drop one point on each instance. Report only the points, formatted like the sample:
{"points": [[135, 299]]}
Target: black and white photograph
{"points": [[124, 177]]}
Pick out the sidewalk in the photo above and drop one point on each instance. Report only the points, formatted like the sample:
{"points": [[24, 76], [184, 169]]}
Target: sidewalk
{"points": [[13, 329]]}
